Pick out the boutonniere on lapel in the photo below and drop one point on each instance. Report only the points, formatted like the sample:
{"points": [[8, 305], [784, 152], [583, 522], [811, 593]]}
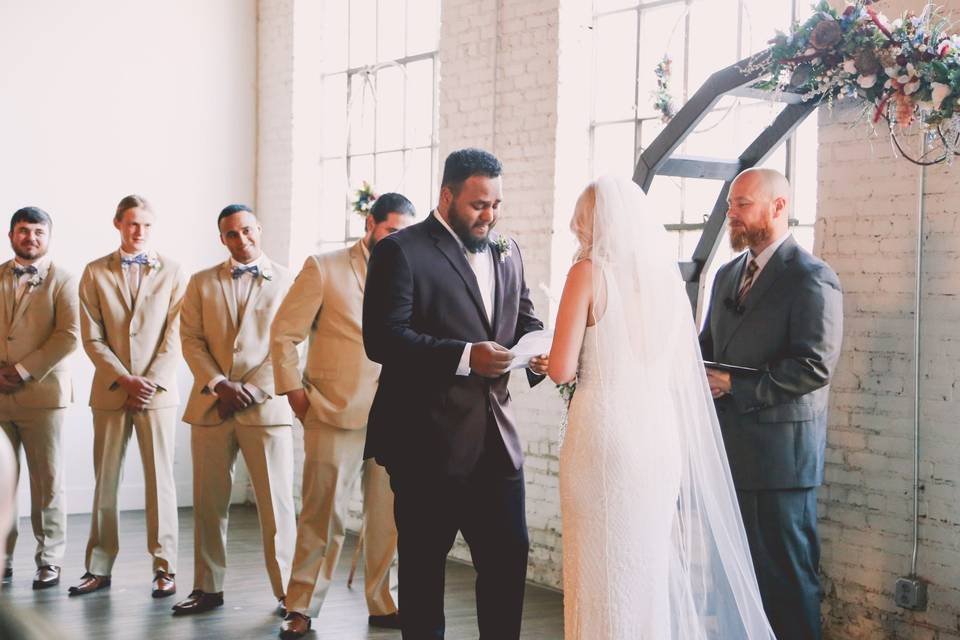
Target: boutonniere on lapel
{"points": [[503, 246], [266, 275], [34, 282], [154, 263]]}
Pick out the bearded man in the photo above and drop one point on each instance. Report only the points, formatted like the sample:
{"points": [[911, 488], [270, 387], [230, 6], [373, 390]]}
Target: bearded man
{"points": [[777, 310]]}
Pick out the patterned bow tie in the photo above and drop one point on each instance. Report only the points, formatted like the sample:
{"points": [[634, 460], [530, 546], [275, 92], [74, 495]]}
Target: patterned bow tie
{"points": [[141, 259], [253, 270], [19, 271]]}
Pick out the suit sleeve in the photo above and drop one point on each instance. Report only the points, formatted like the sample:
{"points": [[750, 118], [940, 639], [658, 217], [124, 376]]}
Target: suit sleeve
{"points": [[527, 321], [706, 335], [65, 337], [292, 324], [388, 336], [163, 369], [92, 331], [816, 331], [192, 337]]}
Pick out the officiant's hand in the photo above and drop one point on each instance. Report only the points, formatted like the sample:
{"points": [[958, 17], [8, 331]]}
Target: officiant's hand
{"points": [[489, 359], [719, 382], [539, 364]]}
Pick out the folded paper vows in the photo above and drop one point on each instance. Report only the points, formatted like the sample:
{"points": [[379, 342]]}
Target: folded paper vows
{"points": [[729, 368], [532, 344]]}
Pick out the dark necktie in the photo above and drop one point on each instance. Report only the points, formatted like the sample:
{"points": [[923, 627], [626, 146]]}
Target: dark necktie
{"points": [[752, 268], [253, 270]]}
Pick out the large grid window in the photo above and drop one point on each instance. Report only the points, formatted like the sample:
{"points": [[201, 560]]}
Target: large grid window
{"points": [[379, 89], [701, 37]]}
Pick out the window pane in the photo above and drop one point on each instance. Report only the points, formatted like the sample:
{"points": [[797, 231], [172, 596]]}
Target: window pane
{"points": [[389, 172], [688, 242], [761, 19], [390, 30], [600, 6], [361, 169], [713, 39], [613, 149], [417, 181], [333, 200], [390, 108], [423, 26], [699, 198], [361, 114], [804, 176], [420, 92], [362, 32], [664, 199], [616, 62], [334, 123], [334, 36], [661, 31]]}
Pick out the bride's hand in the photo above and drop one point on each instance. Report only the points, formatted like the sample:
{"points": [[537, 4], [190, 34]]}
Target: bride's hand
{"points": [[719, 382], [539, 364]]}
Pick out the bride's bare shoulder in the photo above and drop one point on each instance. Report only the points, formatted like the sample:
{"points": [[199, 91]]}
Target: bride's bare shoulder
{"points": [[582, 268]]}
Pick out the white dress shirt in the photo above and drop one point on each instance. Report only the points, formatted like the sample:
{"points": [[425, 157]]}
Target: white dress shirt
{"points": [[42, 265], [763, 258], [133, 272], [482, 266]]}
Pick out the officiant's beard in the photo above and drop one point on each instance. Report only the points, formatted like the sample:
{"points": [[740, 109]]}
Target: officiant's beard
{"points": [[750, 236], [463, 229]]}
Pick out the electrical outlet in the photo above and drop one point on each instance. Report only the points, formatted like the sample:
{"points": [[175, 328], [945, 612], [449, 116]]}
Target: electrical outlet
{"points": [[911, 593]]}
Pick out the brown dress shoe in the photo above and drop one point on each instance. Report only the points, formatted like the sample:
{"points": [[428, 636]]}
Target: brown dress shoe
{"points": [[295, 625], [164, 585], [388, 621], [89, 583], [198, 602], [46, 577]]}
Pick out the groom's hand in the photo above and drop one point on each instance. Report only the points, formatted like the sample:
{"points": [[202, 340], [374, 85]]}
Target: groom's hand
{"points": [[489, 359], [719, 382], [539, 364]]}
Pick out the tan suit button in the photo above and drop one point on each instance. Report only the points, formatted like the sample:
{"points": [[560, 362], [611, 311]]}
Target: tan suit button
{"points": [[9, 337]]}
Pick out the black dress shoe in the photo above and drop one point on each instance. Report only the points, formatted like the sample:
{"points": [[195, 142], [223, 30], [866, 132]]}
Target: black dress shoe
{"points": [[389, 621], [90, 583], [198, 602], [46, 577]]}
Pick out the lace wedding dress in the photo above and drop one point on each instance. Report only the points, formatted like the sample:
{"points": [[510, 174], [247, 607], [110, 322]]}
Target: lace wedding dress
{"points": [[653, 543]]}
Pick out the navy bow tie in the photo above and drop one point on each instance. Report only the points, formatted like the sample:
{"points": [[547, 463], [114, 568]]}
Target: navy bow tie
{"points": [[141, 259], [253, 270], [19, 271]]}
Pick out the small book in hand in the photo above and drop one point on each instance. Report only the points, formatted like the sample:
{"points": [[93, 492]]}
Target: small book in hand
{"points": [[729, 368]]}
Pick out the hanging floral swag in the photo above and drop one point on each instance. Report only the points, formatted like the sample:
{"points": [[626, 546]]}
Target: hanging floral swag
{"points": [[907, 70], [363, 199]]}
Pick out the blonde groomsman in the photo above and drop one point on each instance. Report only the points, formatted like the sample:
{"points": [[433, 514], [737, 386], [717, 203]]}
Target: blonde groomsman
{"points": [[130, 325], [332, 398], [225, 328], [38, 330]]}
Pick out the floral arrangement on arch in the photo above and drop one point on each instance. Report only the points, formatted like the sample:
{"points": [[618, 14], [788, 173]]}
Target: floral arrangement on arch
{"points": [[363, 199], [907, 69], [662, 100]]}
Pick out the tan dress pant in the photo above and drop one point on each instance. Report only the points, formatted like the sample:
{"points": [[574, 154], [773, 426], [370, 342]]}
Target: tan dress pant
{"points": [[156, 431], [333, 460], [268, 453], [38, 433]]}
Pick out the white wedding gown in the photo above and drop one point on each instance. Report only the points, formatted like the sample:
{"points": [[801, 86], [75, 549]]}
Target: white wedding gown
{"points": [[653, 543]]}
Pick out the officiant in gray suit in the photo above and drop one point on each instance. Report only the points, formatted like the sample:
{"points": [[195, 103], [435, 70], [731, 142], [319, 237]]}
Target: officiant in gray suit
{"points": [[777, 309]]}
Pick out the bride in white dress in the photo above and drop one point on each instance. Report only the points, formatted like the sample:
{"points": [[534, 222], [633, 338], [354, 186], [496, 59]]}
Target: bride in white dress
{"points": [[653, 543]]}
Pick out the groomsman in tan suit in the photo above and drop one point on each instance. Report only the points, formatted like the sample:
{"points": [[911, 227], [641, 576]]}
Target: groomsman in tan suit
{"points": [[332, 398], [130, 324], [225, 328], [38, 330]]}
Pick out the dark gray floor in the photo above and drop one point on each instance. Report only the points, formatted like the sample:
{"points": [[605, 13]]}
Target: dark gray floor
{"points": [[126, 610]]}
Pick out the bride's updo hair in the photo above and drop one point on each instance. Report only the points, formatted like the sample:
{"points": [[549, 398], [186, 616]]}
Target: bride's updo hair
{"points": [[581, 224]]}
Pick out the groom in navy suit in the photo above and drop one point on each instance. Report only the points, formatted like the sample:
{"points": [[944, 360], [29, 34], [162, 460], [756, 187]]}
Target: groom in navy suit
{"points": [[445, 301]]}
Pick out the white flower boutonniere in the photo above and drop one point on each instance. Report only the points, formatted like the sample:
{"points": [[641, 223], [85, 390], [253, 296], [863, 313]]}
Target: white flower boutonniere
{"points": [[266, 275], [503, 247], [35, 281], [154, 263]]}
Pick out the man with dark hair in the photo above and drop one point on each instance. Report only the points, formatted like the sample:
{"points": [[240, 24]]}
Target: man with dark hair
{"points": [[224, 327], [446, 300], [38, 330], [332, 399]]}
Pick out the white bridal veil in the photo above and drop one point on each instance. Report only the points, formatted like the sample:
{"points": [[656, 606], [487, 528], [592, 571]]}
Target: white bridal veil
{"points": [[701, 582]]}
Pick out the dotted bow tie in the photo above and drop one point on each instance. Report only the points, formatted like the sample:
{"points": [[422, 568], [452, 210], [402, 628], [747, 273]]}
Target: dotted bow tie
{"points": [[253, 270], [141, 259], [19, 271]]}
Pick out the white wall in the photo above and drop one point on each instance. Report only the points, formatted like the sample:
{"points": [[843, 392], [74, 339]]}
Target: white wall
{"points": [[101, 99]]}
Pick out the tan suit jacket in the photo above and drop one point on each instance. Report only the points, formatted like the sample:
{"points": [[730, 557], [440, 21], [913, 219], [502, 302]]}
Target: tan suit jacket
{"points": [[214, 344], [39, 333], [326, 304], [124, 336]]}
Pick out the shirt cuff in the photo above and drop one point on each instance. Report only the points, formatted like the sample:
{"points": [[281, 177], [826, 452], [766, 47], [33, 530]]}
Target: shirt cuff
{"points": [[463, 369], [212, 385], [24, 373]]}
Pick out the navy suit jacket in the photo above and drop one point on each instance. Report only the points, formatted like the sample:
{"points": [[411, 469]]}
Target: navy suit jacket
{"points": [[421, 306], [789, 326]]}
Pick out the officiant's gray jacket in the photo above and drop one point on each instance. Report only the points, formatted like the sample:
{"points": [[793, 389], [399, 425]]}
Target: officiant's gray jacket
{"points": [[789, 326]]}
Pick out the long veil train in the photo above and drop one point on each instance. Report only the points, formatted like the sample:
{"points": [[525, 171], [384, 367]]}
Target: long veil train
{"points": [[699, 580]]}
